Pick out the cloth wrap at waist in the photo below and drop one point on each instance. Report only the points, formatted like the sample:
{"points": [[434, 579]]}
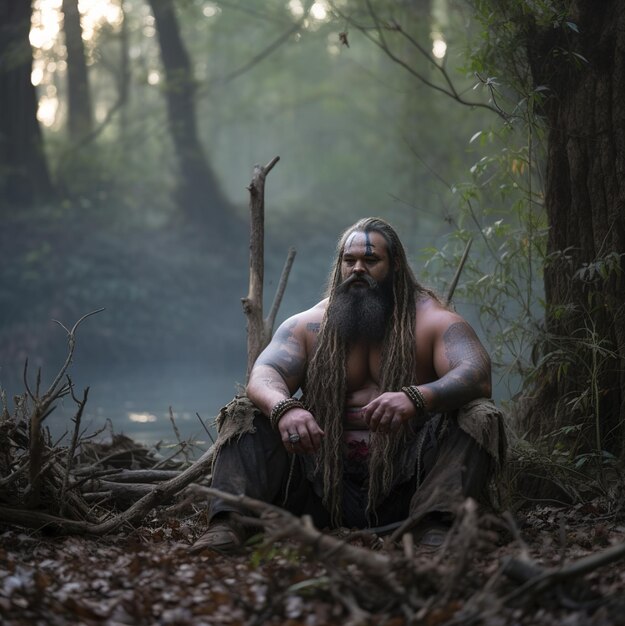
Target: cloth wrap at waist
{"points": [[480, 419]]}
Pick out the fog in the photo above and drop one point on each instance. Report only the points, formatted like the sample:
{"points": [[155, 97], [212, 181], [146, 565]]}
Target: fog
{"points": [[356, 133]]}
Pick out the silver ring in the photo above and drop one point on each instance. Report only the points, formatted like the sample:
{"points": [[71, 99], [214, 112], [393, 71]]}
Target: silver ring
{"points": [[294, 438]]}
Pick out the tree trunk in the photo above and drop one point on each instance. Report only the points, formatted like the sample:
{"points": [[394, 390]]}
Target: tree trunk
{"points": [[585, 201], [199, 194], [124, 76], [79, 110], [24, 176]]}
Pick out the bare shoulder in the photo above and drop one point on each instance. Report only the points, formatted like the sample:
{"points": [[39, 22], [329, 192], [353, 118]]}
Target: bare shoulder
{"points": [[312, 318], [439, 329], [434, 318], [455, 347], [287, 352], [301, 326]]}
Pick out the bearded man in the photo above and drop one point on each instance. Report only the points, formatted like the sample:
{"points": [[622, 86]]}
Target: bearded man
{"points": [[390, 425]]}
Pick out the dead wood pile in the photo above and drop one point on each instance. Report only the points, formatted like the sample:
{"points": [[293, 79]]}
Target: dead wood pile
{"points": [[483, 571]]}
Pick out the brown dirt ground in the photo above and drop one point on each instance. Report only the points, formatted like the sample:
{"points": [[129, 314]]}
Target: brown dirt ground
{"points": [[146, 576]]}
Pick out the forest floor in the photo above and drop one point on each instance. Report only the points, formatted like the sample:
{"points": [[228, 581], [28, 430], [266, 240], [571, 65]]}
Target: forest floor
{"points": [[147, 576]]}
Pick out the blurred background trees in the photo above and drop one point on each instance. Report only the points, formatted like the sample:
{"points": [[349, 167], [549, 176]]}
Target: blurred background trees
{"points": [[149, 117], [128, 132], [24, 178]]}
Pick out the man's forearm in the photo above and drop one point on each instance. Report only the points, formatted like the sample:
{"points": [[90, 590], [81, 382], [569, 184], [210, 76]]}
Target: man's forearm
{"points": [[456, 388], [266, 388]]}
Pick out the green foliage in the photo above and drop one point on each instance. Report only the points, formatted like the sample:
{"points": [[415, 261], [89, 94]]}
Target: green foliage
{"points": [[578, 361], [600, 270], [501, 211], [563, 478]]}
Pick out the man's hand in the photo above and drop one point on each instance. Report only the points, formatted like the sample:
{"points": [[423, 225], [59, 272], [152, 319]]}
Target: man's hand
{"points": [[389, 411], [300, 422]]}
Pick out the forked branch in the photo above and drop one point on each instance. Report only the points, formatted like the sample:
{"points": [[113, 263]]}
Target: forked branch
{"points": [[259, 330]]}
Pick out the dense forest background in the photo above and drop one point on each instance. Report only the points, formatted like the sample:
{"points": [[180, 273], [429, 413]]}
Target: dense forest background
{"points": [[137, 98], [128, 135], [129, 130]]}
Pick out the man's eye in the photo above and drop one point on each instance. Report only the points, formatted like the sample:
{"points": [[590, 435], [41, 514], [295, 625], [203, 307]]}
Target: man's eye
{"points": [[371, 261]]}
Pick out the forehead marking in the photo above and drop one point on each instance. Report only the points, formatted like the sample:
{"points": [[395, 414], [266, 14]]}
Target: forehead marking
{"points": [[368, 248], [351, 241]]}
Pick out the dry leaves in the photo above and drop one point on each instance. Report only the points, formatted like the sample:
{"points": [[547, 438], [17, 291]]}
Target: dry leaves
{"points": [[146, 576]]}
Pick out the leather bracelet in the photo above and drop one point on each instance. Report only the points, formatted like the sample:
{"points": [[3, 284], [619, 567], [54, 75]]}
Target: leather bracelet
{"points": [[416, 397], [281, 408]]}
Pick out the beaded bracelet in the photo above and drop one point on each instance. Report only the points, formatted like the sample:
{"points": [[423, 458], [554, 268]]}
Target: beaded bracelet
{"points": [[281, 408], [416, 397]]}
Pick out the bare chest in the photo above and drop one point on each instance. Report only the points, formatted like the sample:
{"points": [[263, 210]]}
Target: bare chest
{"points": [[363, 367]]}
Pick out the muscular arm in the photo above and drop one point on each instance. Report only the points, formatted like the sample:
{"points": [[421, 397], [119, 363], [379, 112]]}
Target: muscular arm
{"points": [[279, 370], [277, 374], [463, 367]]}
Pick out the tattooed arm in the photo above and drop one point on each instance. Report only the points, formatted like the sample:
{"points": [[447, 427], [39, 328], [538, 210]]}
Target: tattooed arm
{"points": [[278, 373], [279, 369], [460, 372], [462, 365]]}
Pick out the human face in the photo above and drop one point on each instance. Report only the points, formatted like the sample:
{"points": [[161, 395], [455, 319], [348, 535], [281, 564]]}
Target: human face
{"points": [[362, 303], [365, 254]]}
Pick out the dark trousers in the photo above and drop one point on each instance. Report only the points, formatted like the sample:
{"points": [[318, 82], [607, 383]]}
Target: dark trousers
{"points": [[258, 465]]}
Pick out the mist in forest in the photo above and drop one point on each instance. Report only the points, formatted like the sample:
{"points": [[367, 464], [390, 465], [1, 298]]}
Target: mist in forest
{"points": [[152, 116]]}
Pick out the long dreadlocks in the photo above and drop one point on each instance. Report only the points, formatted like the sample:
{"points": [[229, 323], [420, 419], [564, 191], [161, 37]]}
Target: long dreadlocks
{"points": [[326, 378]]}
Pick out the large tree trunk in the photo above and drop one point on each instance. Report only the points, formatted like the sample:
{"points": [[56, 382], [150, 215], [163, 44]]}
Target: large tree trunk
{"points": [[199, 193], [24, 177], [585, 202], [79, 110]]}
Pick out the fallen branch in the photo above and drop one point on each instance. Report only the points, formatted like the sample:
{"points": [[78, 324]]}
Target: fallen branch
{"points": [[538, 579], [141, 476], [390, 573], [113, 455], [135, 513], [72, 448], [124, 494]]}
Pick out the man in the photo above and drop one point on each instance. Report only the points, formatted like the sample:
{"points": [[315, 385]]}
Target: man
{"points": [[384, 366]]}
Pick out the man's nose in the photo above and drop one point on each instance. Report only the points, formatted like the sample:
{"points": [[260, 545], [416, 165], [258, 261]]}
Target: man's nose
{"points": [[359, 267]]}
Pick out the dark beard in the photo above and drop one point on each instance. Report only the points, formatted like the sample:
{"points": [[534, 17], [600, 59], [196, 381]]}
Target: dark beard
{"points": [[361, 312]]}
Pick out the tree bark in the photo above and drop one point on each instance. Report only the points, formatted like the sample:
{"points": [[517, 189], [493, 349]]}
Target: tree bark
{"points": [[584, 384], [259, 329], [24, 176], [79, 109], [199, 194]]}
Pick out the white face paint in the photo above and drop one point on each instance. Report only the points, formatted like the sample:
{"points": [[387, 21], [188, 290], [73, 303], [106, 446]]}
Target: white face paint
{"points": [[365, 253]]}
